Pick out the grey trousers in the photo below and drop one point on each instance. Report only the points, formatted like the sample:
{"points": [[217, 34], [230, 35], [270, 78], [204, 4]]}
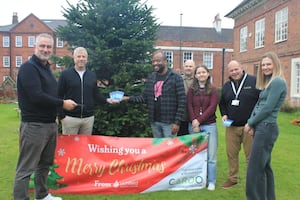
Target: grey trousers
{"points": [[37, 148], [260, 178]]}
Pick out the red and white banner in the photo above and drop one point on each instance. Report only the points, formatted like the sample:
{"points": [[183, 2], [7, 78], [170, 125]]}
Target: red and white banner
{"points": [[114, 165]]}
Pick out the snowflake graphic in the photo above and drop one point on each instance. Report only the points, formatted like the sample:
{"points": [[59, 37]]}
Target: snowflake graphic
{"points": [[170, 142], [76, 139], [193, 149], [61, 152]]}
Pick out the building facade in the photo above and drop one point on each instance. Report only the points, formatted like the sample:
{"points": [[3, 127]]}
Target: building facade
{"points": [[269, 25], [210, 46]]}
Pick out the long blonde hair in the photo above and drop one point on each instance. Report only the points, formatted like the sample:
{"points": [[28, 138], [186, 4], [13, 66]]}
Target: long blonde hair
{"points": [[263, 81]]}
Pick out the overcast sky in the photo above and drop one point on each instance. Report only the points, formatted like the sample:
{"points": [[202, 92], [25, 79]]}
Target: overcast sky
{"points": [[198, 13]]}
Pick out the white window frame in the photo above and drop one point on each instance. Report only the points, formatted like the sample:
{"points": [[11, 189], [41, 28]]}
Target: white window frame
{"points": [[4, 78], [59, 43], [208, 58], [6, 61], [6, 41], [243, 38], [187, 56], [19, 61], [295, 78], [170, 58], [31, 41], [260, 33], [281, 25], [19, 41]]}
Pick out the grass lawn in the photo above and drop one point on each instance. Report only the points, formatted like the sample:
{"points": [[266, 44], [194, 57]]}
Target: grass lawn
{"points": [[285, 163]]}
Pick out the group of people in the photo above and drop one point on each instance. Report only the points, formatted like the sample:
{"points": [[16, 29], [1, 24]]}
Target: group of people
{"points": [[177, 104]]}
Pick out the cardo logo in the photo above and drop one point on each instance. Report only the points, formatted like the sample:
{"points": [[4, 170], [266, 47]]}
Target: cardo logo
{"points": [[186, 181]]}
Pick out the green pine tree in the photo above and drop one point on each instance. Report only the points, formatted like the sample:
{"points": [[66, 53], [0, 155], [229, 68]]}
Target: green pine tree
{"points": [[119, 36]]}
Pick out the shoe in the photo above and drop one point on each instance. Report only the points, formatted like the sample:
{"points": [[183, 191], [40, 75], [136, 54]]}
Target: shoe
{"points": [[50, 197], [211, 186], [228, 184]]}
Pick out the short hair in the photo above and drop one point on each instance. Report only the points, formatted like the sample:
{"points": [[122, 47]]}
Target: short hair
{"points": [[79, 49], [43, 35]]}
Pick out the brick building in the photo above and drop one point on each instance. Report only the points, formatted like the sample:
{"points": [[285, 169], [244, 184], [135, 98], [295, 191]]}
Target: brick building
{"points": [[269, 25], [211, 46]]}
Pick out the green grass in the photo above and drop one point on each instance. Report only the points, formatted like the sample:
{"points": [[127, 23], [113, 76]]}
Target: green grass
{"points": [[285, 162]]}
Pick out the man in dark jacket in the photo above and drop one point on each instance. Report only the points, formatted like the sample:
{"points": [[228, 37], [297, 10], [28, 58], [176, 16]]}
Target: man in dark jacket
{"points": [[165, 97], [79, 84], [239, 96], [37, 98]]}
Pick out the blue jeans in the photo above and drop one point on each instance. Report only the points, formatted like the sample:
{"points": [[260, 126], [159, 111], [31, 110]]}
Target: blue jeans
{"points": [[162, 130], [260, 178], [212, 131]]}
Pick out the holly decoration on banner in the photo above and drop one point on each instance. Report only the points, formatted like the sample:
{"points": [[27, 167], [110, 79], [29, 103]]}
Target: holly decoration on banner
{"points": [[51, 181]]}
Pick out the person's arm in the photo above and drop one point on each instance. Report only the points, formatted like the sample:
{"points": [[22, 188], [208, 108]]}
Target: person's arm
{"points": [[276, 88], [31, 83]]}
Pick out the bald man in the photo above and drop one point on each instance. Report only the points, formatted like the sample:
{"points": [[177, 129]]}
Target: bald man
{"points": [[238, 98], [188, 77]]}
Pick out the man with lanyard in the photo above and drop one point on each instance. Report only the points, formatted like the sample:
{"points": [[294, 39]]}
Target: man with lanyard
{"points": [[239, 96]]}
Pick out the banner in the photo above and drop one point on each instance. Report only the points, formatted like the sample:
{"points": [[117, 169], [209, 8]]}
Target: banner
{"points": [[115, 165]]}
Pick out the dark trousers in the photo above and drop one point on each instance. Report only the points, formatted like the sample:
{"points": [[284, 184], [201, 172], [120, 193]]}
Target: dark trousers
{"points": [[260, 178], [184, 128], [37, 148]]}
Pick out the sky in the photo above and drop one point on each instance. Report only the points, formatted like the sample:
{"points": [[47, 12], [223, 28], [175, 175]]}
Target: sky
{"points": [[195, 13]]}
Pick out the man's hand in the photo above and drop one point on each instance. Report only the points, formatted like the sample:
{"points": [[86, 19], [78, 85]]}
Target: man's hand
{"points": [[69, 104]]}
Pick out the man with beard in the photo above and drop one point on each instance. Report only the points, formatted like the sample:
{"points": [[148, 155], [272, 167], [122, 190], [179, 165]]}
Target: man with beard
{"points": [[165, 97], [37, 97], [188, 77]]}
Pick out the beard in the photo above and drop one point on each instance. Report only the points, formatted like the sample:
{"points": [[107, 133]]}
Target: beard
{"points": [[158, 68]]}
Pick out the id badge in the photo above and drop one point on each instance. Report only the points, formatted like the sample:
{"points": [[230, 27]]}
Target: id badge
{"points": [[235, 102]]}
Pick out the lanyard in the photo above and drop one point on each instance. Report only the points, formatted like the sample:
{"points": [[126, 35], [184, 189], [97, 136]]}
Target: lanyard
{"points": [[240, 87]]}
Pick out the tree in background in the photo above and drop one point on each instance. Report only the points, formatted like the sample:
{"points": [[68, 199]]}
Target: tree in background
{"points": [[119, 36]]}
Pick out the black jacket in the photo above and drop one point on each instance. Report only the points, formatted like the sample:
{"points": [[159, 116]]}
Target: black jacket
{"points": [[248, 98], [86, 93], [37, 92]]}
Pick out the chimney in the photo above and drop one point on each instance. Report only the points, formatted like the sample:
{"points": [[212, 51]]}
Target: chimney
{"points": [[217, 23], [15, 18]]}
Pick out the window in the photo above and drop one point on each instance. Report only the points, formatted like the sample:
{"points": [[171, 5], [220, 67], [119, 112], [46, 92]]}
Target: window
{"points": [[31, 41], [5, 77], [18, 41], [281, 25], [59, 43], [5, 41], [259, 33], [18, 61], [6, 61], [187, 56], [295, 78], [169, 55], [243, 39], [208, 59]]}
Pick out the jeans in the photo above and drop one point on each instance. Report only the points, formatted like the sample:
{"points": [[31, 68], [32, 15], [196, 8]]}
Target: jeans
{"points": [[162, 130], [260, 178], [212, 131]]}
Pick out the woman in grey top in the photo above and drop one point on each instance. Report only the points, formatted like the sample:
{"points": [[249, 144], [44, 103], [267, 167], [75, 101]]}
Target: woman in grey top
{"points": [[263, 127]]}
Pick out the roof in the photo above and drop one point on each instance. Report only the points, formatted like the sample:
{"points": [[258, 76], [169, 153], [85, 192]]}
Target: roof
{"points": [[164, 32], [243, 7], [195, 34]]}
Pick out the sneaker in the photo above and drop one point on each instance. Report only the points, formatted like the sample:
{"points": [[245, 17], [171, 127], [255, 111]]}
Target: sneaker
{"points": [[50, 197], [228, 184], [211, 187]]}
